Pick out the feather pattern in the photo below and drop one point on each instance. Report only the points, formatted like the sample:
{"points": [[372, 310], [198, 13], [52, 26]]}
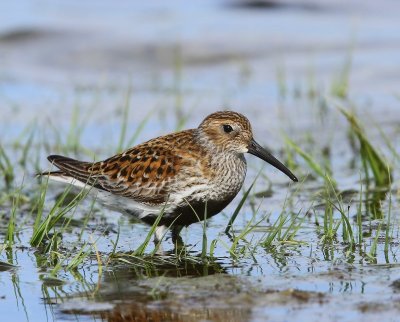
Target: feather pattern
{"points": [[187, 174]]}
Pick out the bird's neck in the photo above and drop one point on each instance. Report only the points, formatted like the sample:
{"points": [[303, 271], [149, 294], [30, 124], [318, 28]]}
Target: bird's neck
{"points": [[230, 172], [207, 143]]}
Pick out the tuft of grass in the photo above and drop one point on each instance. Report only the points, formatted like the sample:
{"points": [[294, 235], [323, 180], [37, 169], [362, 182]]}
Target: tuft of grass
{"points": [[330, 228], [250, 226], [283, 230], [314, 165], [6, 168], [371, 159], [41, 229], [371, 255], [10, 235], [334, 202], [11, 227], [389, 143], [26, 148]]}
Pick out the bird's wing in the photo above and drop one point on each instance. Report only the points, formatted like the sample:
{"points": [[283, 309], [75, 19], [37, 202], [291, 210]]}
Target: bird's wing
{"points": [[144, 173]]}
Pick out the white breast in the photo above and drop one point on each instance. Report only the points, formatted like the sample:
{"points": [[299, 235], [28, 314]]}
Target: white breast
{"points": [[230, 178]]}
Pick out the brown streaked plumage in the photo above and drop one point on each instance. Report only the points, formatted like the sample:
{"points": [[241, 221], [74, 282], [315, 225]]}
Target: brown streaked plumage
{"points": [[179, 173]]}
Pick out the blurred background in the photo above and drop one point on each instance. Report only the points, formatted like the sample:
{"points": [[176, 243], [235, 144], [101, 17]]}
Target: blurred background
{"points": [[183, 61]]}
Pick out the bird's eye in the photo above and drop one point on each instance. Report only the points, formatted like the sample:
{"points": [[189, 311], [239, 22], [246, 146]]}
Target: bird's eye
{"points": [[227, 128]]}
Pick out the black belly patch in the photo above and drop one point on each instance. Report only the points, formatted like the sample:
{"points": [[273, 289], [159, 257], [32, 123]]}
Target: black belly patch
{"points": [[185, 215]]}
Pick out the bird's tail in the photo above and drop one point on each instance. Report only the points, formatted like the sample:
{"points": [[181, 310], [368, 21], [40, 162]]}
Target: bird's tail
{"points": [[71, 171]]}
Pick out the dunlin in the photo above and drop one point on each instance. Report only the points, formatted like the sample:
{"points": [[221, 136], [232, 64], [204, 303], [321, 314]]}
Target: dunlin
{"points": [[185, 175]]}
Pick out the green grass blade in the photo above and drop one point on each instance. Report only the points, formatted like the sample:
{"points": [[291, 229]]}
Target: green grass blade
{"points": [[239, 206], [317, 169], [371, 158], [141, 249]]}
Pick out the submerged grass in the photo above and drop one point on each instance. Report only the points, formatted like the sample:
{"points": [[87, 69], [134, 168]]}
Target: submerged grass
{"points": [[10, 236], [283, 230]]}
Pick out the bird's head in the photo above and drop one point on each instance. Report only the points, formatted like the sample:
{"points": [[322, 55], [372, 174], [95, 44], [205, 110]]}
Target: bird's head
{"points": [[230, 132]]}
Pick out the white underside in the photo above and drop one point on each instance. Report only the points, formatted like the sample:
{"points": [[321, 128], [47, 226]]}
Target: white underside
{"points": [[112, 201]]}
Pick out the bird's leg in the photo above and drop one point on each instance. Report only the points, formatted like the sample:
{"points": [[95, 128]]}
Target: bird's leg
{"points": [[176, 238], [159, 234]]}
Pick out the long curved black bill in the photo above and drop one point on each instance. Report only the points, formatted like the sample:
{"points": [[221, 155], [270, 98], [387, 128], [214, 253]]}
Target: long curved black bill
{"points": [[259, 151]]}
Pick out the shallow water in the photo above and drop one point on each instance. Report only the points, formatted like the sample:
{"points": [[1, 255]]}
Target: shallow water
{"points": [[277, 65]]}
